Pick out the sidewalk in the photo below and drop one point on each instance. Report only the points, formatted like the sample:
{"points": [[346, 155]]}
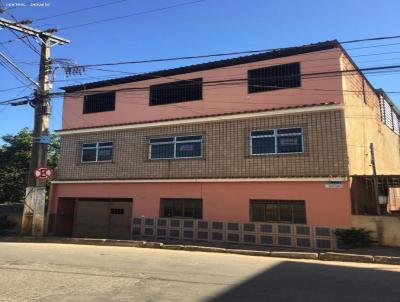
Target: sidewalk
{"points": [[378, 254]]}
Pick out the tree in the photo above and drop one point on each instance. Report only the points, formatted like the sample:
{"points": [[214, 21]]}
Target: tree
{"points": [[14, 163]]}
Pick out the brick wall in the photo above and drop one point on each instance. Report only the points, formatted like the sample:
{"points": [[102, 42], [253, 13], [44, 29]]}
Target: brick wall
{"points": [[226, 151]]}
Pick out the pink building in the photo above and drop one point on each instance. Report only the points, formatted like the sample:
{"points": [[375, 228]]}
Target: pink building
{"points": [[224, 151]]}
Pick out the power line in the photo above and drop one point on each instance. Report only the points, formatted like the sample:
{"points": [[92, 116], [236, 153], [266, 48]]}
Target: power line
{"points": [[133, 14], [79, 10]]}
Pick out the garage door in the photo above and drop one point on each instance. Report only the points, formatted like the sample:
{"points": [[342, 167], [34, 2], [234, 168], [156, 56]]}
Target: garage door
{"points": [[103, 218]]}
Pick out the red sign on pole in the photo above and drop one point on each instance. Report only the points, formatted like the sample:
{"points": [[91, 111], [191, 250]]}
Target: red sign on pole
{"points": [[42, 173]]}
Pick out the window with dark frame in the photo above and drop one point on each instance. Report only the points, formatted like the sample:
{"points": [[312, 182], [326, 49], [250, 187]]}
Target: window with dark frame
{"points": [[278, 211], [99, 102], [176, 92], [176, 147], [117, 211], [274, 77], [97, 152], [181, 208], [276, 141]]}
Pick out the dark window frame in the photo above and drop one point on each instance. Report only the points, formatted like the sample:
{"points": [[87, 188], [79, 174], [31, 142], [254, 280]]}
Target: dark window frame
{"points": [[275, 135], [89, 101], [279, 204], [175, 140], [176, 92], [97, 147], [257, 83], [181, 202]]}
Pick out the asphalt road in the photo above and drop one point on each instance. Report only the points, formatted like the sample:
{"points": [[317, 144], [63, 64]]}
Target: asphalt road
{"points": [[57, 272]]}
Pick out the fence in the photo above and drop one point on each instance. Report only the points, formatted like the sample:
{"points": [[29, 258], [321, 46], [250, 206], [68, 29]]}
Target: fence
{"points": [[261, 234]]}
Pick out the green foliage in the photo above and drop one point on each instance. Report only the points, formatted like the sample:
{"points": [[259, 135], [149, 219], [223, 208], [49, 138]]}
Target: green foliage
{"points": [[15, 156], [354, 238]]}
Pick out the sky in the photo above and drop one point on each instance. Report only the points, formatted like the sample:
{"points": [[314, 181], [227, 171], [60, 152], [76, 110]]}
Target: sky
{"points": [[204, 27]]}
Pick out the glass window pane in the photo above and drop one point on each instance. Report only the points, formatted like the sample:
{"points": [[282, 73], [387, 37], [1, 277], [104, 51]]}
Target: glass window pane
{"points": [[109, 144], [263, 145], [88, 155], [188, 149], [257, 212], [105, 154], [264, 132], [289, 131], [291, 143], [88, 145], [285, 213], [299, 213], [271, 212], [162, 151], [188, 138], [162, 140]]}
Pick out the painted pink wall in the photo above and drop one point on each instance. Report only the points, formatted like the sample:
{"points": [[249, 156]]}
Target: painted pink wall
{"points": [[222, 201], [133, 106]]}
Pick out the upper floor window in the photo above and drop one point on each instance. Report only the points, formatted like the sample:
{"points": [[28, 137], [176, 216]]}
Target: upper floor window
{"points": [[181, 208], [274, 77], [99, 102], [176, 147], [276, 141], [280, 211], [176, 92], [97, 152]]}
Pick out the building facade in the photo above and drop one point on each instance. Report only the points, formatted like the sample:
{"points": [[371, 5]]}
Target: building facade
{"points": [[261, 139]]}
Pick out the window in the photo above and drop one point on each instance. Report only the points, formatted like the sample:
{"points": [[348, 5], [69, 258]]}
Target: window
{"points": [[117, 211], [274, 77], [280, 211], [99, 102], [176, 92], [97, 152], [176, 147], [181, 208], [276, 141]]}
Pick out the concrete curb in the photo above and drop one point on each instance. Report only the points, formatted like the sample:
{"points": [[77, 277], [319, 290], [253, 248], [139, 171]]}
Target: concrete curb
{"points": [[324, 256], [330, 256]]}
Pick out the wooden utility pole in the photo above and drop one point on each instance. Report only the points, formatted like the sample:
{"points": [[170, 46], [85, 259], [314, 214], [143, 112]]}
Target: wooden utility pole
{"points": [[34, 216], [375, 179]]}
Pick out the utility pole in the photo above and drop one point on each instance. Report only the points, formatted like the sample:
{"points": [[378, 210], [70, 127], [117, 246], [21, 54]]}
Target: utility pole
{"points": [[375, 179], [33, 216]]}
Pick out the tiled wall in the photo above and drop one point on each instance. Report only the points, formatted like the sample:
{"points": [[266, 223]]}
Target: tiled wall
{"points": [[226, 151]]}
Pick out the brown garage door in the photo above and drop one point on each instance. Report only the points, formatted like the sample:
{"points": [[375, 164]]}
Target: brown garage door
{"points": [[103, 218]]}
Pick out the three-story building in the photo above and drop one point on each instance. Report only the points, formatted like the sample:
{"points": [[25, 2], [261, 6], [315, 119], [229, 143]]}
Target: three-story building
{"points": [[266, 138]]}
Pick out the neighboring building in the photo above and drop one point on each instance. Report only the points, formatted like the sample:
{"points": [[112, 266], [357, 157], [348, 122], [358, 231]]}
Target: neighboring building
{"points": [[272, 137]]}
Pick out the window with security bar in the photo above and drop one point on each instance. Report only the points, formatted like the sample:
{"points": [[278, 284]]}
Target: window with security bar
{"points": [[176, 147], [99, 102], [277, 141], [97, 152], [278, 211], [274, 77], [181, 208], [176, 92]]}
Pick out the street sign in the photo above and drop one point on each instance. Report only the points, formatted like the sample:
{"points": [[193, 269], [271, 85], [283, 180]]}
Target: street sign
{"points": [[42, 173]]}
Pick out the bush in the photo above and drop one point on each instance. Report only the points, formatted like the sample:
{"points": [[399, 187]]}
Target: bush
{"points": [[354, 238]]}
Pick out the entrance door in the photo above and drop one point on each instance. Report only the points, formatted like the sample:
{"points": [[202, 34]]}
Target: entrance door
{"points": [[103, 218]]}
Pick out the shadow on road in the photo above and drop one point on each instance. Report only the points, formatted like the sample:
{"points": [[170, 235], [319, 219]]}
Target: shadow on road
{"points": [[295, 281]]}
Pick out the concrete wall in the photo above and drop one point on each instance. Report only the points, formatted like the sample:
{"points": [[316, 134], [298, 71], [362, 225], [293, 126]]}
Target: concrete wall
{"points": [[363, 126], [133, 106], [386, 229], [222, 201]]}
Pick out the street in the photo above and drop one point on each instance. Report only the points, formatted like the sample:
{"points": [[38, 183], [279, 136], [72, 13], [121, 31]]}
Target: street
{"points": [[58, 272]]}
